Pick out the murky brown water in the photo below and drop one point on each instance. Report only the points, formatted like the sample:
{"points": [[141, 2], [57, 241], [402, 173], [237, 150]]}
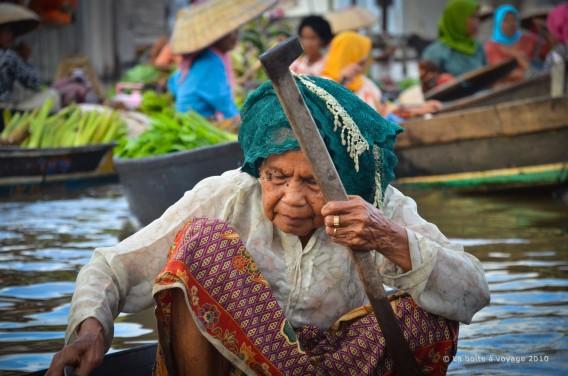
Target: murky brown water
{"points": [[522, 241]]}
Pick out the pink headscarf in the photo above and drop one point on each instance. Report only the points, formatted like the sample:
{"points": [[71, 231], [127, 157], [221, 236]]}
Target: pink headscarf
{"points": [[557, 22]]}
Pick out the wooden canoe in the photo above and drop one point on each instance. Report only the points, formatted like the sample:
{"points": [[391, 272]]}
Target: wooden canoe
{"points": [[153, 184], [515, 144], [537, 86], [137, 361], [471, 82], [24, 170]]}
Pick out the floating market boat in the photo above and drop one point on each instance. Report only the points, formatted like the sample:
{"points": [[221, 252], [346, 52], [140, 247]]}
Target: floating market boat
{"points": [[510, 145], [533, 87], [135, 361], [153, 184], [25, 170], [472, 82]]}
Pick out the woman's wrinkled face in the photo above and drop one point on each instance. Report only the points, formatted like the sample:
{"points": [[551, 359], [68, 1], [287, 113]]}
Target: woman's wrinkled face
{"points": [[291, 198], [509, 25], [311, 42]]}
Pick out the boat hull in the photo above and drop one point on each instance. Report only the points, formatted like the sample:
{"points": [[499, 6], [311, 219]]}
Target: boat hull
{"points": [[153, 184], [23, 170], [489, 147]]}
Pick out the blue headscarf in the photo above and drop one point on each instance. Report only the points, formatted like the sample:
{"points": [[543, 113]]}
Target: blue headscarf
{"points": [[498, 35]]}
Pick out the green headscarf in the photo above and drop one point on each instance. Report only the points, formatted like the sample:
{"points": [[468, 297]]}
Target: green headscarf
{"points": [[452, 28], [359, 140]]}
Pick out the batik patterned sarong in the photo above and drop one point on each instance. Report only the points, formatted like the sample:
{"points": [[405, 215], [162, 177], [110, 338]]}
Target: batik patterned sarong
{"points": [[239, 315]]}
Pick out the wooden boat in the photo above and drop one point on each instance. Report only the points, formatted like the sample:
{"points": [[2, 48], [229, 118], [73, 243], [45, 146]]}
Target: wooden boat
{"points": [[23, 170], [153, 184], [471, 82], [533, 87], [509, 145], [137, 361]]}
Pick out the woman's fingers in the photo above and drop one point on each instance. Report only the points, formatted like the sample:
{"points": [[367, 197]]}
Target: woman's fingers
{"points": [[85, 354], [343, 207]]}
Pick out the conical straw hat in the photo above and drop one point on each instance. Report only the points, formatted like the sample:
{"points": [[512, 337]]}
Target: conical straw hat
{"points": [[352, 18], [21, 19], [200, 25]]}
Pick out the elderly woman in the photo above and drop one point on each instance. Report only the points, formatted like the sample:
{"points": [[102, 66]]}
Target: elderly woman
{"points": [[456, 51], [251, 270]]}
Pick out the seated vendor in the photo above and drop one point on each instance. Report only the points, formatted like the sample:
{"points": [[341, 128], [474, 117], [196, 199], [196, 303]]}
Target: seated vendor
{"points": [[456, 51], [315, 34], [204, 80], [251, 270], [15, 21], [508, 41]]}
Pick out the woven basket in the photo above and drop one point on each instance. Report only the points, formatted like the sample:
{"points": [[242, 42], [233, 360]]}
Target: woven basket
{"points": [[199, 26]]}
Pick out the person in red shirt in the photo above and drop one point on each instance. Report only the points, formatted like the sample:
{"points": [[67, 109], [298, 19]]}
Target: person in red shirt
{"points": [[508, 41]]}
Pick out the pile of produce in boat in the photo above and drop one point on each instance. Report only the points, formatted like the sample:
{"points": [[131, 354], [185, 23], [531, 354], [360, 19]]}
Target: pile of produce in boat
{"points": [[154, 102], [144, 74], [256, 37], [69, 127], [169, 133]]}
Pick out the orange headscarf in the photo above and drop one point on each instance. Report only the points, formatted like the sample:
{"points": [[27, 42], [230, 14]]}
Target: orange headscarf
{"points": [[346, 48]]}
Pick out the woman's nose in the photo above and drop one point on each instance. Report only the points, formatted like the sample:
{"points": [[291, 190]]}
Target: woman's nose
{"points": [[294, 195]]}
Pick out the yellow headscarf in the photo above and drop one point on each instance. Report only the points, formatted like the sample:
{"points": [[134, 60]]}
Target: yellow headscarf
{"points": [[346, 48]]}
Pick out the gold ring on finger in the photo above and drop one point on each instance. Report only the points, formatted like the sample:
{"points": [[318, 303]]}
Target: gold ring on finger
{"points": [[336, 221], [334, 232]]}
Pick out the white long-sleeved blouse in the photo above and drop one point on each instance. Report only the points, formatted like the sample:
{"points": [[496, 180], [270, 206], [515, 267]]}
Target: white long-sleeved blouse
{"points": [[315, 284]]}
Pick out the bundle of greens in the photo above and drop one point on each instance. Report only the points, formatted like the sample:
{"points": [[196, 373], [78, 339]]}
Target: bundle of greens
{"points": [[169, 134], [142, 73], [154, 102], [67, 128]]}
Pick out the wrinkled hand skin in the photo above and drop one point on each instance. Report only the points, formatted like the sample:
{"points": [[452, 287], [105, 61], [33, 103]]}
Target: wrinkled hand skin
{"points": [[85, 353], [364, 228]]}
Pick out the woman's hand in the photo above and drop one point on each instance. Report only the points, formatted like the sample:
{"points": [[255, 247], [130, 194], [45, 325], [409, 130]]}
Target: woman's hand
{"points": [[349, 72], [362, 227], [85, 353]]}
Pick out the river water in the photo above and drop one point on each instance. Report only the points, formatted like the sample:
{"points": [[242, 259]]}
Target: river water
{"points": [[521, 239]]}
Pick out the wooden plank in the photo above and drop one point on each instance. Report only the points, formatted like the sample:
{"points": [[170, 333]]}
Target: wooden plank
{"points": [[472, 82], [477, 123], [550, 175], [531, 116], [484, 154], [538, 86], [513, 118]]}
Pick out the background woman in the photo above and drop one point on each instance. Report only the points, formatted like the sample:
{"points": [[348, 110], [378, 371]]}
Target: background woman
{"points": [[508, 41], [346, 63], [315, 35], [204, 34], [456, 51], [557, 23]]}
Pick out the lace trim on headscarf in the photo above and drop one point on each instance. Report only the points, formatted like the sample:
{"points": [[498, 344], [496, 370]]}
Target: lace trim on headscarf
{"points": [[378, 202], [350, 134]]}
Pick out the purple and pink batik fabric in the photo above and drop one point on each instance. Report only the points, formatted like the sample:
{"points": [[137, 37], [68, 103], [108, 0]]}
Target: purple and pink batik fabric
{"points": [[235, 306]]}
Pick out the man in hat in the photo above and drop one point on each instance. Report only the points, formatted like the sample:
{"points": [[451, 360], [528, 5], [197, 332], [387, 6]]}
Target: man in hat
{"points": [[14, 67]]}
